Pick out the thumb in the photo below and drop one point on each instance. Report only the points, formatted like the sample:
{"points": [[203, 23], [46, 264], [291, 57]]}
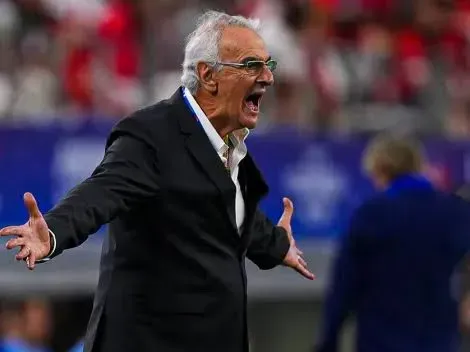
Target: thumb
{"points": [[31, 205], [288, 210]]}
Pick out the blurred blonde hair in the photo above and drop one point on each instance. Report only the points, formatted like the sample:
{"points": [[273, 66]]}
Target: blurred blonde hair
{"points": [[391, 156]]}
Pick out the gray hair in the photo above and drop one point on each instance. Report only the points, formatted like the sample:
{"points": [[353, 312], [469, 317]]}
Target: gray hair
{"points": [[393, 156], [202, 45]]}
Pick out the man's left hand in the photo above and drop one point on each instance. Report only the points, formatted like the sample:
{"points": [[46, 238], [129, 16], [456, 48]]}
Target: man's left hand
{"points": [[293, 257]]}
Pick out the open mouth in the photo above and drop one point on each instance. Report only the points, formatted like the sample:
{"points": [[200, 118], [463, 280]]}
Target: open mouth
{"points": [[252, 102]]}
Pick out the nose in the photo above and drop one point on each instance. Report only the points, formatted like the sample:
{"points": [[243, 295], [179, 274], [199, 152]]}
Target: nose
{"points": [[266, 77]]}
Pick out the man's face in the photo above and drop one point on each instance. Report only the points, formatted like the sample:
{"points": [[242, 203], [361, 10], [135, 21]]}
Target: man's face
{"points": [[239, 89], [37, 321]]}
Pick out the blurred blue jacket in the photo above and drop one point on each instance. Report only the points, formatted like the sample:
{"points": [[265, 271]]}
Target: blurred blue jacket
{"points": [[78, 347], [18, 345], [394, 271]]}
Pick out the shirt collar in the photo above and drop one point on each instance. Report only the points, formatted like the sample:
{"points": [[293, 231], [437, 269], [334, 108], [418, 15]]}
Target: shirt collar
{"points": [[237, 137], [409, 182]]}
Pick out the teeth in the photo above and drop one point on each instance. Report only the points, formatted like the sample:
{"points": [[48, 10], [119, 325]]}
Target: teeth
{"points": [[252, 106]]}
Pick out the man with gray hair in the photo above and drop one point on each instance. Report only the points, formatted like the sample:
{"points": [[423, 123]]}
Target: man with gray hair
{"points": [[181, 195]]}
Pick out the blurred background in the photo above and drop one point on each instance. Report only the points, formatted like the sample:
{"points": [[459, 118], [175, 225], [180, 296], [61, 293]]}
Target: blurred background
{"points": [[69, 69]]}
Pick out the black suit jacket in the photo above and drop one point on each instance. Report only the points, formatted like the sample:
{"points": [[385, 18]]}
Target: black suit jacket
{"points": [[172, 274]]}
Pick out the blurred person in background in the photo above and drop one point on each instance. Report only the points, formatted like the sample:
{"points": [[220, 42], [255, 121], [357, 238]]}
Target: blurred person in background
{"points": [[181, 194], [99, 43], [284, 23], [431, 59], [76, 41], [394, 266], [36, 86], [24, 63], [9, 22], [119, 59], [10, 326], [26, 326]]}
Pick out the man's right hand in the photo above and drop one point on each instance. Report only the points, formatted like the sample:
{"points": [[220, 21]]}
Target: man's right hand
{"points": [[32, 238]]}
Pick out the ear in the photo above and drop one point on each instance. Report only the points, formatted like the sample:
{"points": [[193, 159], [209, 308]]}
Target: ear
{"points": [[206, 75]]}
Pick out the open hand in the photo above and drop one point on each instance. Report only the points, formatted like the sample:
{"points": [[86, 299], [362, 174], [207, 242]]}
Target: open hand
{"points": [[32, 238], [293, 257]]}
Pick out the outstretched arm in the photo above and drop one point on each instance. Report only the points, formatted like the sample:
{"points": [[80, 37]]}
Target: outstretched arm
{"points": [[127, 175]]}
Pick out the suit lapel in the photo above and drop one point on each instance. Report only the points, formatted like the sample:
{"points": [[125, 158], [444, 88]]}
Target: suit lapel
{"points": [[203, 152], [253, 182], [254, 189], [200, 147]]}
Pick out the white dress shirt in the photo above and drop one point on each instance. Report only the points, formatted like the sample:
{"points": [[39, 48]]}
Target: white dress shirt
{"points": [[239, 151]]}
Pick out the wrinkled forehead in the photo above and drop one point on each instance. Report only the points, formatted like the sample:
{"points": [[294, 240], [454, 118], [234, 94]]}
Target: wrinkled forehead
{"points": [[237, 43]]}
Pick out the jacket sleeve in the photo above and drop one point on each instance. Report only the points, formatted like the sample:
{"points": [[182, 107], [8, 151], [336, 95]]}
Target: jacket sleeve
{"points": [[344, 286], [269, 244], [459, 238], [127, 175]]}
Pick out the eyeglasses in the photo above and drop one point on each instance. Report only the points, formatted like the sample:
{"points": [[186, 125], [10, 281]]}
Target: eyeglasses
{"points": [[252, 65]]}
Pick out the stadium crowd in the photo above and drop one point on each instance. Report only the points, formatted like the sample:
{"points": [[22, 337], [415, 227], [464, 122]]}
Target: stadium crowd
{"points": [[347, 66]]}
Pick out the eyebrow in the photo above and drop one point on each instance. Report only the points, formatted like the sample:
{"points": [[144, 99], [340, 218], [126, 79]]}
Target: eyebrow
{"points": [[252, 58]]}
